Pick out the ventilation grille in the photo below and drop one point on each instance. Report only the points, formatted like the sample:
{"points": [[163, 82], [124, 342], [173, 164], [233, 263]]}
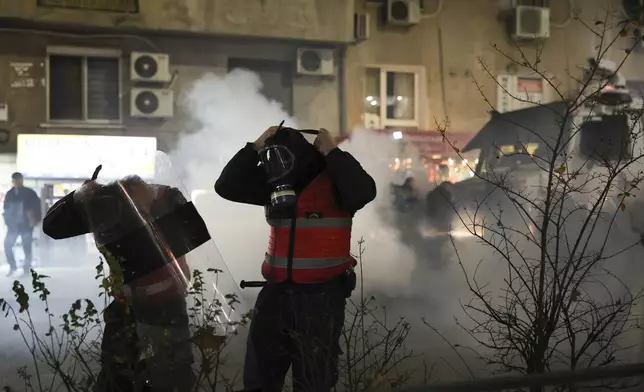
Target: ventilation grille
{"points": [[530, 21]]}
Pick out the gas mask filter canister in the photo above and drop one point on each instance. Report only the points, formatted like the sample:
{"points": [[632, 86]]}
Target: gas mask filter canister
{"points": [[278, 162]]}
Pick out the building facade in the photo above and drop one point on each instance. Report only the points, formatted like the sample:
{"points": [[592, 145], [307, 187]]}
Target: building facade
{"points": [[65, 65], [459, 49]]}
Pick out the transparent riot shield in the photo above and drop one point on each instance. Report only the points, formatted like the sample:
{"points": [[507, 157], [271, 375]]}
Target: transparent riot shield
{"points": [[165, 266]]}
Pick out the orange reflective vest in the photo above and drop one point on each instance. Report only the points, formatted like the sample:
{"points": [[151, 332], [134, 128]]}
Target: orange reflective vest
{"points": [[322, 238]]}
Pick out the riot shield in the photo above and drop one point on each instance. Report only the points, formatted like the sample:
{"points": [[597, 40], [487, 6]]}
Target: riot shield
{"points": [[160, 254]]}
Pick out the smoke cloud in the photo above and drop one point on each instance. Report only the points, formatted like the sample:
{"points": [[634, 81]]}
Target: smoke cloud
{"points": [[232, 111], [402, 258]]}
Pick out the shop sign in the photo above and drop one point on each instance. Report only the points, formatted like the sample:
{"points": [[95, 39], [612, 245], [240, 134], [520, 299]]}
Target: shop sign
{"points": [[76, 156], [123, 6]]}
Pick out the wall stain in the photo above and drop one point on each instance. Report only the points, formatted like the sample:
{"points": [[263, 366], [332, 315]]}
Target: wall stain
{"points": [[178, 11]]}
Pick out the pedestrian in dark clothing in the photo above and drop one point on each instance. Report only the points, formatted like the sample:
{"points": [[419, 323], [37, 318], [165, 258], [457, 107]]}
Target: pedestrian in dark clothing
{"points": [[22, 212], [310, 194]]}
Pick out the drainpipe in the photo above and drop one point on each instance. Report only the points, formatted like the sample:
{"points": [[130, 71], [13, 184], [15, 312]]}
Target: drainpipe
{"points": [[441, 64], [342, 99]]}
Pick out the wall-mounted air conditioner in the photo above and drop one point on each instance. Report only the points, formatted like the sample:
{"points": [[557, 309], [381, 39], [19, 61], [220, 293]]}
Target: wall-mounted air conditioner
{"points": [[319, 62], [530, 22], [150, 67], [151, 103], [361, 22], [403, 12]]}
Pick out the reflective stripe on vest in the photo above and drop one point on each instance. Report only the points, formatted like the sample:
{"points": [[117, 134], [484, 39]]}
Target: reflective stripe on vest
{"points": [[312, 222], [308, 263], [148, 290], [301, 263]]}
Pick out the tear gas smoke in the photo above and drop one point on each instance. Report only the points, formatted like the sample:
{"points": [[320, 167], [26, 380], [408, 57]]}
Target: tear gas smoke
{"points": [[232, 111], [399, 260]]}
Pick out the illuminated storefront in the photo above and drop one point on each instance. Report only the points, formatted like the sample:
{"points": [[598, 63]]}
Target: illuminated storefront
{"points": [[55, 165], [439, 154]]}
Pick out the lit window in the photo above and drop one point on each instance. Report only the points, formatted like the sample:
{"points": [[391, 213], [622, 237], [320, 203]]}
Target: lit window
{"points": [[392, 96]]}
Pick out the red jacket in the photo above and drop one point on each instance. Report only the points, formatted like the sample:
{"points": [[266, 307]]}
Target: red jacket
{"points": [[322, 238]]}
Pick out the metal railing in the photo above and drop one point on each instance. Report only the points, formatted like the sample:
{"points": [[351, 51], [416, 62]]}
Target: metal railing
{"points": [[502, 383]]}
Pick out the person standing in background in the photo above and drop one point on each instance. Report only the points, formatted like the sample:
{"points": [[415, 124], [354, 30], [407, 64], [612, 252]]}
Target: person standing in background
{"points": [[21, 214]]}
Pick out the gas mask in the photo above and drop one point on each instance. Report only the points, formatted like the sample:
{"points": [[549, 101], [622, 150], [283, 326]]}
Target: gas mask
{"points": [[280, 160]]}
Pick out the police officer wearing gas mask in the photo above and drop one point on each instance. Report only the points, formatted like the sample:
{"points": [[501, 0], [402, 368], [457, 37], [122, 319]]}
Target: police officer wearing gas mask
{"points": [[143, 232], [310, 193]]}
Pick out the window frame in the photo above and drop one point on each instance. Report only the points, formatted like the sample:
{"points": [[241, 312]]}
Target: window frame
{"points": [[84, 53], [419, 93]]}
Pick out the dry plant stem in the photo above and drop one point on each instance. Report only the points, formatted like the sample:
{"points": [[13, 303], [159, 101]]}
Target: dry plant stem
{"points": [[374, 351], [548, 313], [68, 355]]}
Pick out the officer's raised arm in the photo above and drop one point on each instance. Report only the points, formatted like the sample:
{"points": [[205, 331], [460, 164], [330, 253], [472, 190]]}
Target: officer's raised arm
{"points": [[242, 180], [355, 186], [63, 220]]}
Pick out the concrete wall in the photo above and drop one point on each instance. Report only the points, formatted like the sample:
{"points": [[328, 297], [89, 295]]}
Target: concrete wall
{"points": [[470, 31], [316, 99], [320, 20], [448, 47]]}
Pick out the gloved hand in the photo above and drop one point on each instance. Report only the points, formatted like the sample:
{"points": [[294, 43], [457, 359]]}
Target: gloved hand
{"points": [[83, 193], [324, 142], [259, 143]]}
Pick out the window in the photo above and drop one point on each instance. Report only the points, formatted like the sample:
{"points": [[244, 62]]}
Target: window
{"points": [[392, 96], [84, 85]]}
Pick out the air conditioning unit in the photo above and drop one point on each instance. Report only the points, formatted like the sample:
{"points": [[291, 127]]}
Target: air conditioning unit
{"points": [[319, 62], [151, 103], [530, 22], [150, 67], [403, 12], [361, 22]]}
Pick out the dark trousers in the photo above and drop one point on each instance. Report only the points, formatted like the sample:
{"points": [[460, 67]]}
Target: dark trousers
{"points": [[124, 339], [163, 331], [299, 326], [26, 236], [119, 350]]}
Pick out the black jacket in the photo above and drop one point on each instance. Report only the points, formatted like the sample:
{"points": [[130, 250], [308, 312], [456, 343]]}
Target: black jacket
{"points": [[63, 220], [16, 205], [243, 181]]}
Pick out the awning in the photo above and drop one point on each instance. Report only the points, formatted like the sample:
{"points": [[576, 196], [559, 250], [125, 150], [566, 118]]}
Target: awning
{"points": [[429, 142], [433, 142], [538, 124]]}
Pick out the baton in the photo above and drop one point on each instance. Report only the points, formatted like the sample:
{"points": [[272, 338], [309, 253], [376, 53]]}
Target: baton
{"points": [[256, 283], [96, 171], [309, 131]]}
